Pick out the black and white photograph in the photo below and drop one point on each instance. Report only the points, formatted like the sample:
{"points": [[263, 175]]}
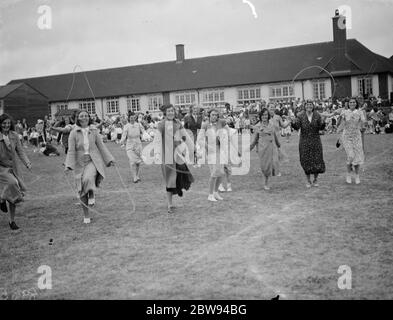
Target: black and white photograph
{"points": [[219, 151]]}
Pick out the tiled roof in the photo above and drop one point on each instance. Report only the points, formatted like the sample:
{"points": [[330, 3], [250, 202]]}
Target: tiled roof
{"points": [[247, 68]]}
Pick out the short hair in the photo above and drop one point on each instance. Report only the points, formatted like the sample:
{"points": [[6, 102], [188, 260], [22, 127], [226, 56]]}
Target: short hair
{"points": [[356, 100], [213, 110], [260, 114], [309, 101], [4, 117], [77, 122], [165, 107]]}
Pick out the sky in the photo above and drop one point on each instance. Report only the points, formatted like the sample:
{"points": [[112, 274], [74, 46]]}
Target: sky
{"points": [[98, 34]]}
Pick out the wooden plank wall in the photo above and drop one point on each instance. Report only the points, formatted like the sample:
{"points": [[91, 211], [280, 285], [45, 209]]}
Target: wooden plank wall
{"points": [[25, 102]]}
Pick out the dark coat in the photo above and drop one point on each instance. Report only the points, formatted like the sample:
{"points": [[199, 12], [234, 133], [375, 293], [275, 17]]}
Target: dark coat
{"points": [[191, 124], [310, 145]]}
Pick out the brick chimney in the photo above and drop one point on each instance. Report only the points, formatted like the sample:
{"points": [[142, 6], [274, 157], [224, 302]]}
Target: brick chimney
{"points": [[179, 53], [339, 33]]}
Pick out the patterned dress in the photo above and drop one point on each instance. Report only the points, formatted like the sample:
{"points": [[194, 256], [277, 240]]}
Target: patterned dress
{"points": [[352, 138], [310, 145]]}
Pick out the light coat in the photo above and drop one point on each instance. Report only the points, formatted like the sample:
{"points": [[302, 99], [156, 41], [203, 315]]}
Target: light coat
{"points": [[99, 153]]}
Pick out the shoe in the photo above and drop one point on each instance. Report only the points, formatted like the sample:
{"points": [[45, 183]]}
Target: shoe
{"points": [[308, 185], [349, 179], [91, 201], [217, 196], [266, 187], [135, 180], [3, 206], [315, 184], [357, 179], [171, 209], [13, 225], [86, 220], [279, 174], [221, 188], [229, 188], [211, 198], [138, 179]]}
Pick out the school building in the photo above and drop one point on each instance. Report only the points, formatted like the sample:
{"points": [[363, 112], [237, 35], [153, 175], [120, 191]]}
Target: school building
{"points": [[339, 68]]}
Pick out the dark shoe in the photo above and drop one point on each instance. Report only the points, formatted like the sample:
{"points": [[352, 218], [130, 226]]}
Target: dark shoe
{"points": [[3, 206], [13, 225]]}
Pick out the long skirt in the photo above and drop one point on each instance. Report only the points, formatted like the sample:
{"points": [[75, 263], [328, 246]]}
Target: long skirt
{"points": [[268, 158], [89, 179], [10, 187], [311, 154], [184, 179], [353, 146]]}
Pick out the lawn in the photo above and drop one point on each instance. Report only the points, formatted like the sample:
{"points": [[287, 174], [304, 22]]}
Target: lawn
{"points": [[254, 245]]}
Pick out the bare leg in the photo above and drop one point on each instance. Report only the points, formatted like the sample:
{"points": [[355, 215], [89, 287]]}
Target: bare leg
{"points": [[217, 184], [349, 168], [12, 208], [357, 177], [137, 168], [308, 179], [266, 186], [85, 207], [212, 184], [133, 171], [315, 177], [169, 199]]}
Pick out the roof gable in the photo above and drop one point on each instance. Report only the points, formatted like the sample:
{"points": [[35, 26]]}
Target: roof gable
{"points": [[7, 89]]}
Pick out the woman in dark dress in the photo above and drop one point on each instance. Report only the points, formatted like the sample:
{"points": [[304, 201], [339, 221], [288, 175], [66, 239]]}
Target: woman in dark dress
{"points": [[310, 122]]}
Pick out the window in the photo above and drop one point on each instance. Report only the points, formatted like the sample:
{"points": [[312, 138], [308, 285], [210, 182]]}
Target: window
{"points": [[281, 92], [365, 86], [62, 106], [213, 98], [155, 102], [319, 90], [184, 100], [88, 105], [112, 105], [133, 104], [248, 95]]}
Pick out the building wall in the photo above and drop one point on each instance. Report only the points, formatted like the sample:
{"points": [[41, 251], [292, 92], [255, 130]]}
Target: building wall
{"points": [[390, 88], [24, 102], [343, 87], [375, 85], [383, 85], [1, 107], [230, 96]]}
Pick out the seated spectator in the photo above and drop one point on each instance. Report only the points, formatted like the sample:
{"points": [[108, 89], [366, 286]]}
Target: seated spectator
{"points": [[49, 150]]}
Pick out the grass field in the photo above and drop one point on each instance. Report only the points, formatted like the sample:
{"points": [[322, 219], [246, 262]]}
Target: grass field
{"points": [[254, 245]]}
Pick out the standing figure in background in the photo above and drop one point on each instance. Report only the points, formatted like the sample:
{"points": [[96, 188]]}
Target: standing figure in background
{"points": [[278, 124], [132, 133], [208, 141], [193, 122], [310, 123]]}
